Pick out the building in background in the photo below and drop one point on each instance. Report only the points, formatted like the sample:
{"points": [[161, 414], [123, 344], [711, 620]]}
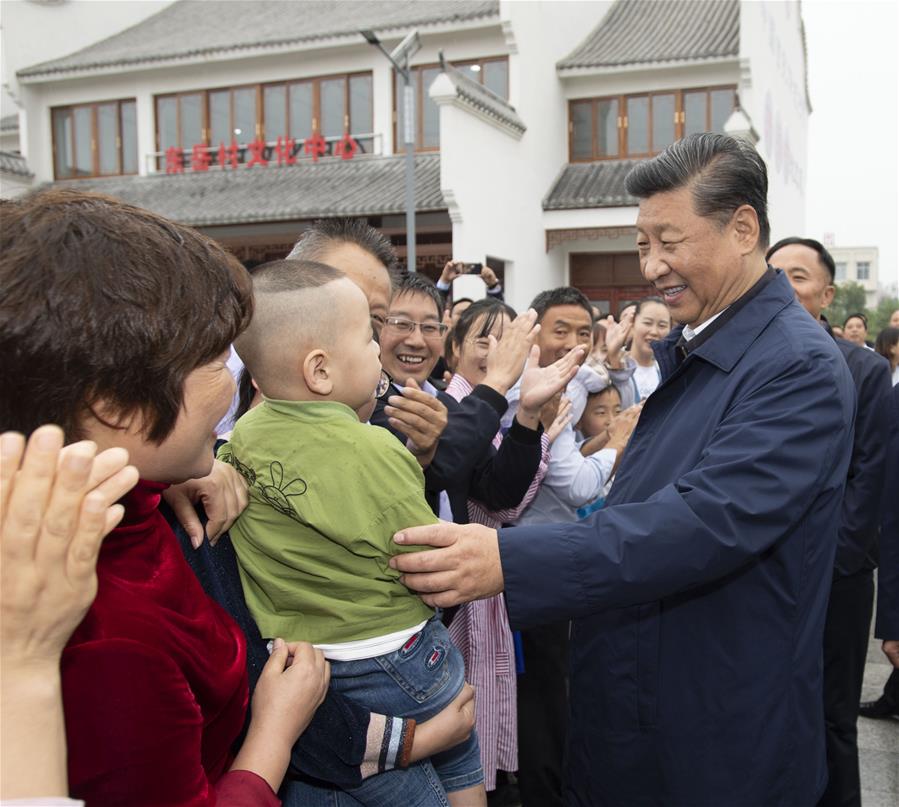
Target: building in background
{"points": [[249, 120], [858, 265]]}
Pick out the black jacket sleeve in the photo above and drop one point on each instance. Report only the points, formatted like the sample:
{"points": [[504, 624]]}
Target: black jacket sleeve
{"points": [[502, 477], [860, 515]]}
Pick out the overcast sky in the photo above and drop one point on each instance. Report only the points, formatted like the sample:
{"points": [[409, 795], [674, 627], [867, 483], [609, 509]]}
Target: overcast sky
{"points": [[853, 170]]}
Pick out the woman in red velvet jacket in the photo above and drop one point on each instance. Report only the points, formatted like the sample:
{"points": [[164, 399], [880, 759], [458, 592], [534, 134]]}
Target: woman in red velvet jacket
{"points": [[116, 325]]}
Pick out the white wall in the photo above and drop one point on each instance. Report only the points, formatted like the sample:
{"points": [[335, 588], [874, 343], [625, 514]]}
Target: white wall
{"points": [[773, 95], [38, 32], [498, 182]]}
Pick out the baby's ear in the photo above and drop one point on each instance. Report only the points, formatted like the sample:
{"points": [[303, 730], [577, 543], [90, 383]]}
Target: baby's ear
{"points": [[317, 372]]}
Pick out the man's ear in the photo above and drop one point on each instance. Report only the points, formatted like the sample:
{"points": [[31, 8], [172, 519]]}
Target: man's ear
{"points": [[827, 295], [317, 372], [745, 222]]}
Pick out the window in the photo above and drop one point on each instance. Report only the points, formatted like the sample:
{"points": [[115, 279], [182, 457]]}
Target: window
{"points": [[330, 106], [839, 271], [91, 140], [493, 73], [642, 125], [863, 270]]}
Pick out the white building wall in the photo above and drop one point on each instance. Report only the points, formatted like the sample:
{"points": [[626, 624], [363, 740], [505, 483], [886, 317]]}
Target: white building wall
{"points": [[494, 183], [850, 257], [772, 92]]}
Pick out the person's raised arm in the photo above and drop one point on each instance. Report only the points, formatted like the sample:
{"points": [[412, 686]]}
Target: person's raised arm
{"points": [[56, 506]]}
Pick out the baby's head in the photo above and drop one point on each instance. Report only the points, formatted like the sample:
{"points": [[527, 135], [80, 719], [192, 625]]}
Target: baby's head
{"points": [[601, 407], [310, 338]]}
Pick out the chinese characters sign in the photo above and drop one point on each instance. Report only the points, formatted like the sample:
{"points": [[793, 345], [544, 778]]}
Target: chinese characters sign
{"points": [[284, 151]]}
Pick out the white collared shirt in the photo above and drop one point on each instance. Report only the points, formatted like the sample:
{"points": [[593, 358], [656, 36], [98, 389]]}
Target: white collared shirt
{"points": [[689, 333]]}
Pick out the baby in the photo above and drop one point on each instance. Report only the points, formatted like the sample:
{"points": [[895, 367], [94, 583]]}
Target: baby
{"points": [[327, 494]]}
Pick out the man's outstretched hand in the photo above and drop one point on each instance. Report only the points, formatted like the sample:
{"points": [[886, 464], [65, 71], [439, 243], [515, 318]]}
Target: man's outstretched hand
{"points": [[463, 566]]}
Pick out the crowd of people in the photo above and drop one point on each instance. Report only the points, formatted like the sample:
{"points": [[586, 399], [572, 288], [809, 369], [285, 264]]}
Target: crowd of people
{"points": [[329, 533]]}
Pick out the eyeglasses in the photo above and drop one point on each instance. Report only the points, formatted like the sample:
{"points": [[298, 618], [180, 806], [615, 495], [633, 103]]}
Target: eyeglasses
{"points": [[429, 330], [384, 383]]}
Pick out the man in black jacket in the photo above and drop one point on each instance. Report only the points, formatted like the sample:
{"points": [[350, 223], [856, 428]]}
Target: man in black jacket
{"points": [[810, 269]]}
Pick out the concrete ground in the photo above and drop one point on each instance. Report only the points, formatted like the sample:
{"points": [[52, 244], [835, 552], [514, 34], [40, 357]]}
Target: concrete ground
{"points": [[878, 740]]}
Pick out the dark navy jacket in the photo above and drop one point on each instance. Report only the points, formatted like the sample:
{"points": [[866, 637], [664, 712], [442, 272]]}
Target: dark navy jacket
{"points": [[887, 626], [699, 592], [860, 517]]}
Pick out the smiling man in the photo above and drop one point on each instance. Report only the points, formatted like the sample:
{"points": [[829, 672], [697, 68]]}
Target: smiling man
{"points": [[699, 592]]}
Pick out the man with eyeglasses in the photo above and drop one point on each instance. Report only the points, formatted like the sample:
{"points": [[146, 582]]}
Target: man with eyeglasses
{"points": [[464, 464]]}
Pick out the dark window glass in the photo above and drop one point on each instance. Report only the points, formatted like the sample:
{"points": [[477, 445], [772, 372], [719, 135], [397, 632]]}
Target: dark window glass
{"points": [[62, 140], [300, 110], [191, 120], [430, 130], [722, 102], [275, 106], [332, 107], [107, 138], [582, 131], [638, 125], [496, 77], [220, 117], [245, 114], [361, 116], [167, 112], [662, 121], [84, 162], [129, 137], [607, 128], [694, 112]]}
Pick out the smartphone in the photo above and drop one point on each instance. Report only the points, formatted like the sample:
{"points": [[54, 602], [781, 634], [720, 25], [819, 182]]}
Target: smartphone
{"points": [[473, 268]]}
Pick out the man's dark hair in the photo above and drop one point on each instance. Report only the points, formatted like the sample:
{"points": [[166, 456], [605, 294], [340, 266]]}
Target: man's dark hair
{"points": [[564, 295], [862, 317], [824, 256], [722, 172], [325, 234], [105, 302], [417, 283], [491, 307]]}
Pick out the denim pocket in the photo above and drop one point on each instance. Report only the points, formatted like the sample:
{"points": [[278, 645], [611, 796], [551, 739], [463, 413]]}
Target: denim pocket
{"points": [[421, 667]]}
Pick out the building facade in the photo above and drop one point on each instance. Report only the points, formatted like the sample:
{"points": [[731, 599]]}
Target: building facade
{"points": [[249, 120], [858, 265]]}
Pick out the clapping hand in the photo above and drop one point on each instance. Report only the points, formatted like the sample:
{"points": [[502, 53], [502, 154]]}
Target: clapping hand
{"points": [[540, 384], [617, 334], [506, 357]]}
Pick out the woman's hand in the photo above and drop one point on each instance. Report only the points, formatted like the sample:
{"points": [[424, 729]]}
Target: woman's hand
{"points": [[57, 505], [617, 334], [291, 687], [540, 384], [560, 421], [224, 497], [506, 358], [447, 728]]}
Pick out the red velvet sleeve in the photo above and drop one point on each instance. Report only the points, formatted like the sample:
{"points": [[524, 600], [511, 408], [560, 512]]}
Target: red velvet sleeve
{"points": [[137, 735]]}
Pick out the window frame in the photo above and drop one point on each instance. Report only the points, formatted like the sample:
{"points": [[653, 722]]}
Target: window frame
{"points": [[622, 100], [260, 87], [418, 86], [93, 106]]}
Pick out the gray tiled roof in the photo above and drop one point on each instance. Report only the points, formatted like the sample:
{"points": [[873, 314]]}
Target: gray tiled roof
{"points": [[11, 163], [642, 31], [599, 184], [358, 187], [201, 27], [9, 123], [483, 98]]}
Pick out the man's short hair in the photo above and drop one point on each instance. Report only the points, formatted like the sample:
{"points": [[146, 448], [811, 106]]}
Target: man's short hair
{"points": [[564, 295], [824, 256], [722, 172], [105, 302], [325, 234], [417, 283]]}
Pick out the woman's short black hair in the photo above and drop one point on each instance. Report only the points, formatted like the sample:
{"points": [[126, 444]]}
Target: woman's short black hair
{"points": [[105, 302], [490, 308]]}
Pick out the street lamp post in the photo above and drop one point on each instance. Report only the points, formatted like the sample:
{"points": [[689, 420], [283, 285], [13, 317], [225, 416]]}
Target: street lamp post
{"points": [[399, 58]]}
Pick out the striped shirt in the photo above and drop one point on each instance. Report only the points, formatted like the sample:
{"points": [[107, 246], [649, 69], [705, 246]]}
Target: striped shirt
{"points": [[481, 631]]}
